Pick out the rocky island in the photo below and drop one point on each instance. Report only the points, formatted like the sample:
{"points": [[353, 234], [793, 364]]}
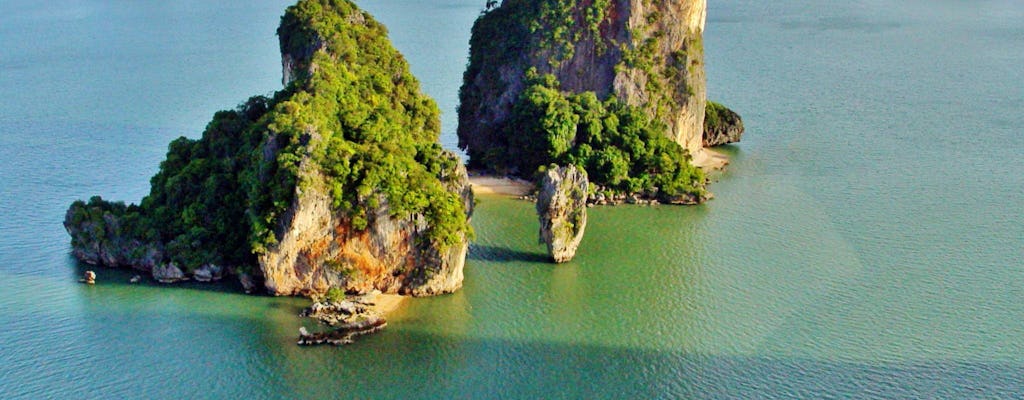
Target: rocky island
{"points": [[336, 182], [616, 88]]}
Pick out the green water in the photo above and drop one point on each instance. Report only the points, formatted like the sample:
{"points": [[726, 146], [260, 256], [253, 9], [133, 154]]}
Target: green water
{"points": [[866, 241]]}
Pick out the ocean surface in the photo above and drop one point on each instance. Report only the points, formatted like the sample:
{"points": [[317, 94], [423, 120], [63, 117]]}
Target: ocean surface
{"points": [[867, 241]]}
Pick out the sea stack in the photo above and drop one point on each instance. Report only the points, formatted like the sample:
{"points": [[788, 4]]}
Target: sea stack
{"points": [[562, 210]]}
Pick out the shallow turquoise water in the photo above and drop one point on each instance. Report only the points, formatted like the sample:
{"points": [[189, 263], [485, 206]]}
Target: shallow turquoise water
{"points": [[866, 241]]}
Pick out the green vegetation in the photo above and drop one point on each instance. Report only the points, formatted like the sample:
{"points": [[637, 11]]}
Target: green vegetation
{"points": [[623, 148], [362, 121], [92, 216], [666, 81], [619, 146], [353, 124], [334, 295], [714, 115], [557, 23], [551, 26]]}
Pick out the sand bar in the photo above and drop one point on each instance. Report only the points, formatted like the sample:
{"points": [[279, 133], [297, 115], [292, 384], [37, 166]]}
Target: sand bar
{"points": [[709, 159], [384, 304], [489, 184]]}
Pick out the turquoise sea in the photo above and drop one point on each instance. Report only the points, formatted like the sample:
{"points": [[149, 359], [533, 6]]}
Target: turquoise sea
{"points": [[866, 242]]}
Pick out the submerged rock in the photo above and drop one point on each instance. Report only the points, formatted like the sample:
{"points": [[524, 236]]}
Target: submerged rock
{"points": [[562, 209], [344, 334]]}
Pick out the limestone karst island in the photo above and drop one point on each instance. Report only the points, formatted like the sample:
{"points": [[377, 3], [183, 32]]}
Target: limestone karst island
{"points": [[336, 187]]}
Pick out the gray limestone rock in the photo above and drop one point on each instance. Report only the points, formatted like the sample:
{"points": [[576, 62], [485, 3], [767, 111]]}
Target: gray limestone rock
{"points": [[562, 209], [168, 273]]}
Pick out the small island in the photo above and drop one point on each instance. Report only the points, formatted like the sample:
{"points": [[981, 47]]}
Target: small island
{"points": [[334, 183]]}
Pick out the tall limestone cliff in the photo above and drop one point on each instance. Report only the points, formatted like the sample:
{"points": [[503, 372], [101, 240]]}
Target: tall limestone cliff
{"points": [[648, 54], [337, 181]]}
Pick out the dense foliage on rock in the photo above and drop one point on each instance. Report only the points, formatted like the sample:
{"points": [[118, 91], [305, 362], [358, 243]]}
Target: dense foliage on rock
{"points": [[622, 83], [351, 122], [619, 146]]}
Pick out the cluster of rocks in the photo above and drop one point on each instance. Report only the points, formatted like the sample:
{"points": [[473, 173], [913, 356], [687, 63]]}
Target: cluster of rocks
{"points": [[600, 198], [102, 243], [348, 319], [608, 198]]}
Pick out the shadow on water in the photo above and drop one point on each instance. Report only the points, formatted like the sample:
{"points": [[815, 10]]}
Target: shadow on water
{"points": [[503, 254], [460, 367], [110, 276], [179, 331]]}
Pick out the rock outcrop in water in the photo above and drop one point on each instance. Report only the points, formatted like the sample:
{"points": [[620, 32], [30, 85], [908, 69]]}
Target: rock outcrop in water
{"points": [[337, 181], [562, 210], [348, 318], [646, 54], [721, 125]]}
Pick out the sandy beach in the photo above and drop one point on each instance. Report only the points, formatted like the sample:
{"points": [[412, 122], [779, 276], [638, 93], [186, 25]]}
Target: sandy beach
{"points": [[709, 160], [487, 184], [384, 304]]}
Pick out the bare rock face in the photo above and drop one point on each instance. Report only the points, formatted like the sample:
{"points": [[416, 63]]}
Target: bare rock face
{"points": [[647, 54], [320, 250], [562, 209], [721, 126]]}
